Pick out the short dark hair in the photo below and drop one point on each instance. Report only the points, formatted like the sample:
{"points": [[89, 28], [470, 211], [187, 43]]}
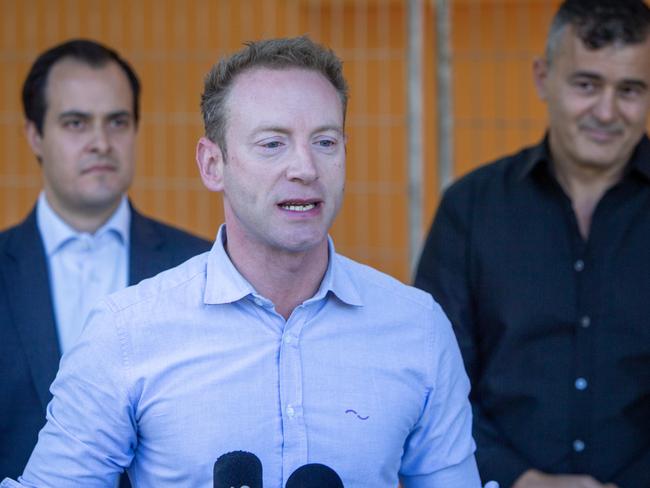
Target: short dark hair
{"points": [[85, 51], [283, 53], [600, 23]]}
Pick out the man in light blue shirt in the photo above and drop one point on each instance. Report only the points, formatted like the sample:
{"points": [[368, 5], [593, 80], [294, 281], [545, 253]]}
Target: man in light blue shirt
{"points": [[270, 343]]}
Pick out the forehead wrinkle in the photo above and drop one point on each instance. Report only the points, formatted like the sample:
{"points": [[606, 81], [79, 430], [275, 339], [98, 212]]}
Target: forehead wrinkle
{"points": [[619, 59]]}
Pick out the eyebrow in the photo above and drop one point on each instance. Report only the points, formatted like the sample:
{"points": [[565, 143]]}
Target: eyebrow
{"points": [[637, 83], [74, 113], [284, 130], [595, 76], [87, 115], [335, 128], [586, 74]]}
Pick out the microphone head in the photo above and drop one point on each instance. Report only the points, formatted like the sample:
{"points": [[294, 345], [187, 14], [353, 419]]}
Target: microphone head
{"points": [[238, 469], [314, 476]]}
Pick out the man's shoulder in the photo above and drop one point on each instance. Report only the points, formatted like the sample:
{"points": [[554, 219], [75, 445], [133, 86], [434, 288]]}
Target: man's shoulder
{"points": [[382, 288], [389, 306], [173, 235], [23, 230], [169, 284], [503, 169], [5, 234]]}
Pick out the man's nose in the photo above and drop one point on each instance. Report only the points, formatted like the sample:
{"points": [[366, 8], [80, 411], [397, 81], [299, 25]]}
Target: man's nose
{"points": [[100, 140], [605, 108], [302, 166]]}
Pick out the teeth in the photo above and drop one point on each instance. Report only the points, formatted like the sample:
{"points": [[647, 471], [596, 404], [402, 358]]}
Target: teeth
{"points": [[298, 208]]}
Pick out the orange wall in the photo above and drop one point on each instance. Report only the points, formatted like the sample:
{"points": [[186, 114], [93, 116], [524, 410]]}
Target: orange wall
{"points": [[173, 43]]}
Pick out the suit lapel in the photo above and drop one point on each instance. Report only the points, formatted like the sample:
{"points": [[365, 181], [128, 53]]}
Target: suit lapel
{"points": [[26, 278], [146, 256]]}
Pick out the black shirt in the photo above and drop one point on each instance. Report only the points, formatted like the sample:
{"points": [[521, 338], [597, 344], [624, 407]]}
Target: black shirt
{"points": [[554, 330]]}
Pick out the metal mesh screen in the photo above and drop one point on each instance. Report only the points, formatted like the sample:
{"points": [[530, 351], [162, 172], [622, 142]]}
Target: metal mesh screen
{"points": [[173, 43]]}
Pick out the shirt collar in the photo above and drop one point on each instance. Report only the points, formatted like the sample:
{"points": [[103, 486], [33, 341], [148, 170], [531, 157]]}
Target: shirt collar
{"points": [[55, 232], [537, 156], [640, 160], [541, 155], [225, 284], [338, 279]]}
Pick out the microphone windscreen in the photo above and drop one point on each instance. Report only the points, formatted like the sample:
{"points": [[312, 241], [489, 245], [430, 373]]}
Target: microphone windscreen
{"points": [[238, 469], [314, 476]]}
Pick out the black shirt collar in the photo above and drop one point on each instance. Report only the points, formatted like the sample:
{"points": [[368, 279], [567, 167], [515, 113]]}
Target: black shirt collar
{"points": [[540, 155]]}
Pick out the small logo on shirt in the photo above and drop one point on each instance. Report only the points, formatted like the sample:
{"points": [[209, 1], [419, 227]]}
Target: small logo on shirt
{"points": [[360, 417]]}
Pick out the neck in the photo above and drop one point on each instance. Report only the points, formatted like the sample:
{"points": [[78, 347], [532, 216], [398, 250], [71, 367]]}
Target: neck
{"points": [[90, 220], [286, 278], [585, 186]]}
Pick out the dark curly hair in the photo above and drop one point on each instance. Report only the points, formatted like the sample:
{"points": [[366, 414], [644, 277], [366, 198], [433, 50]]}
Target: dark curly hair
{"points": [[600, 23]]}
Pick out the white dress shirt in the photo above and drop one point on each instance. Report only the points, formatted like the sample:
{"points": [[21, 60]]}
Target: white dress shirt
{"points": [[83, 268]]}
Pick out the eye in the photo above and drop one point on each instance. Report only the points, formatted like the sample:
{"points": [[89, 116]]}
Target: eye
{"points": [[121, 122], [271, 144], [631, 91], [74, 124], [326, 144], [585, 85]]}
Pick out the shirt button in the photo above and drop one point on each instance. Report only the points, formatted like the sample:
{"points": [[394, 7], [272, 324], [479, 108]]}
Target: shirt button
{"points": [[579, 265], [581, 384], [585, 322], [288, 339], [258, 302], [290, 411], [578, 445]]}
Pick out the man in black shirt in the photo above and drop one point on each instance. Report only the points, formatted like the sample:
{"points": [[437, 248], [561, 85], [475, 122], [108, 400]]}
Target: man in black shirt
{"points": [[542, 262]]}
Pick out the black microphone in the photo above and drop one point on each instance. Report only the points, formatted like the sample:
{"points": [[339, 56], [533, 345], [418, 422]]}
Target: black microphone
{"points": [[314, 476], [238, 469]]}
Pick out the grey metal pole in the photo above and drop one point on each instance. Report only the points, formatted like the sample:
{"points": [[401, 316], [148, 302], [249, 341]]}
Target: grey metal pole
{"points": [[415, 101], [444, 96]]}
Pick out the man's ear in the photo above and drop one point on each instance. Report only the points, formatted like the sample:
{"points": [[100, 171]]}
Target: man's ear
{"points": [[209, 159], [540, 76], [34, 139]]}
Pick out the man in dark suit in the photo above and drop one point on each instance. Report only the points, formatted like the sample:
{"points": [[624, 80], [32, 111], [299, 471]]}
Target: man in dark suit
{"points": [[83, 239]]}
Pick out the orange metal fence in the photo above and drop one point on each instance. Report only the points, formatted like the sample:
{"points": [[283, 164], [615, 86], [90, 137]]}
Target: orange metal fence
{"points": [[173, 43]]}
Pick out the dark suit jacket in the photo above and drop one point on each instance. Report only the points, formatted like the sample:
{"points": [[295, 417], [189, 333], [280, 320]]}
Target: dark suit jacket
{"points": [[29, 349]]}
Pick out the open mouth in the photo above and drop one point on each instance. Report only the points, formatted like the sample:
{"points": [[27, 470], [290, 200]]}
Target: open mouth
{"points": [[298, 206]]}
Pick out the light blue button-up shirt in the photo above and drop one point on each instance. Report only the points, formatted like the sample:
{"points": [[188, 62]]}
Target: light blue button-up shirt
{"points": [[83, 267], [365, 377]]}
